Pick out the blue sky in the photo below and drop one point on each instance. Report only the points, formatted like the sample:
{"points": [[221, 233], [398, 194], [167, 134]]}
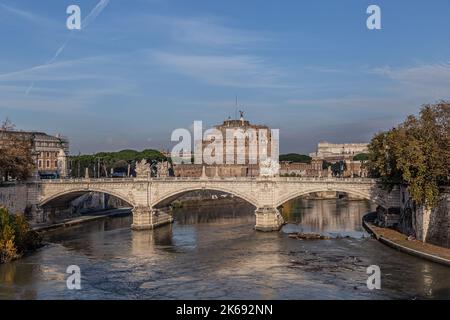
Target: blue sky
{"points": [[139, 69]]}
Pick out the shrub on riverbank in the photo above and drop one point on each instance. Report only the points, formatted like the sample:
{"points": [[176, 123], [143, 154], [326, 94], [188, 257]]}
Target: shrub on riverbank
{"points": [[16, 237]]}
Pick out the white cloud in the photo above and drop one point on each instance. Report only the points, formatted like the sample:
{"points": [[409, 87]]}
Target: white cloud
{"points": [[207, 32], [429, 81], [199, 32], [57, 71], [26, 15], [64, 86], [427, 74], [340, 102], [232, 70]]}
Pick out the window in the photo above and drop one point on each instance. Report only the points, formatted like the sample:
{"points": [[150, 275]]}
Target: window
{"points": [[48, 163], [56, 163], [40, 163], [48, 154]]}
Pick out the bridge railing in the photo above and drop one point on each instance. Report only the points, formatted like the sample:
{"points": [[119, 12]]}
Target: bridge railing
{"points": [[326, 179], [280, 179]]}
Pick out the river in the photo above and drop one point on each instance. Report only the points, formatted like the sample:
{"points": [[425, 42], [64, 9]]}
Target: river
{"points": [[214, 253]]}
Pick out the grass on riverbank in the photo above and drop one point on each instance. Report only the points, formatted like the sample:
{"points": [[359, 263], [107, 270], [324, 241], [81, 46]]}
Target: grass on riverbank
{"points": [[16, 237]]}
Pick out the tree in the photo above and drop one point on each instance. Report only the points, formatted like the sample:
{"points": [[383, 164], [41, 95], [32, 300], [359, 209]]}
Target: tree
{"points": [[7, 125], [416, 153], [295, 157], [361, 157], [338, 168], [326, 164], [118, 161], [16, 159]]}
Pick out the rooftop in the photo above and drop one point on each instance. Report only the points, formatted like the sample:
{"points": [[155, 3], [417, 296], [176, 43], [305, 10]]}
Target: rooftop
{"points": [[36, 135]]}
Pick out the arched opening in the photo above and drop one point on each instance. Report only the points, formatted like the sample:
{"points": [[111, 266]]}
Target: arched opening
{"points": [[78, 203], [332, 213], [197, 206]]}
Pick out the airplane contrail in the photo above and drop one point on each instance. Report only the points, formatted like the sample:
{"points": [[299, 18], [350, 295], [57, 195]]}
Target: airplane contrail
{"points": [[84, 23], [94, 13]]}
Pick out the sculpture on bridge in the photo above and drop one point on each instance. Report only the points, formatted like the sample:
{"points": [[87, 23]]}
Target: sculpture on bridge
{"points": [[269, 168], [162, 169], [143, 169]]}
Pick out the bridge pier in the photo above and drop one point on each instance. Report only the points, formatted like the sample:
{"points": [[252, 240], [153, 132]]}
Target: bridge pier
{"points": [[36, 214], [268, 219], [145, 218]]}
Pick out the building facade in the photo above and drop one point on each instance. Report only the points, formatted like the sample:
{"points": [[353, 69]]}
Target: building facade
{"points": [[245, 161], [299, 169], [50, 153], [333, 152]]}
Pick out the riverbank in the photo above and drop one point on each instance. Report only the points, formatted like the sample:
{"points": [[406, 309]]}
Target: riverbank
{"points": [[399, 241], [16, 237], [42, 227]]}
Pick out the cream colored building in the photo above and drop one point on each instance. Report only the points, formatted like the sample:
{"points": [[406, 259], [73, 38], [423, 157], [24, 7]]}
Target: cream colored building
{"points": [[338, 151]]}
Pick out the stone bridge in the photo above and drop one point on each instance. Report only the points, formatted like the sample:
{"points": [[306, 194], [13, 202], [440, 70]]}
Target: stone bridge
{"points": [[150, 197]]}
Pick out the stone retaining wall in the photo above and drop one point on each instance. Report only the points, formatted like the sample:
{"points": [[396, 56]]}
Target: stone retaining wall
{"points": [[439, 223], [432, 226], [14, 197]]}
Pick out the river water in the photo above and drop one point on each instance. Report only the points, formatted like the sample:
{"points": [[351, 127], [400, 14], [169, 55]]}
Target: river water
{"points": [[214, 253]]}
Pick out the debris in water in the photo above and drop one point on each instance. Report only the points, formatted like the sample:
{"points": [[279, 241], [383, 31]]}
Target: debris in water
{"points": [[308, 236]]}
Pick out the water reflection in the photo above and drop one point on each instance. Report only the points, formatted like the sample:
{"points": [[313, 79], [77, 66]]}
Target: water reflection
{"points": [[147, 242], [215, 214], [332, 217], [214, 253]]}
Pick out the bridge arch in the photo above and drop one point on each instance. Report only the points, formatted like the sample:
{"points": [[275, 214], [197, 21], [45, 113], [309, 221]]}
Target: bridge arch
{"points": [[67, 196], [365, 195], [166, 199]]}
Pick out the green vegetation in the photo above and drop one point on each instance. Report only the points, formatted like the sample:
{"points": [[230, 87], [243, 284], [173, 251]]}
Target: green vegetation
{"points": [[338, 168], [118, 161], [295, 157], [361, 157], [16, 237], [416, 153], [326, 164]]}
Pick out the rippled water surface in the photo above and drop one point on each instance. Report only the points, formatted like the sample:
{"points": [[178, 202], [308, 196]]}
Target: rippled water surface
{"points": [[213, 252]]}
